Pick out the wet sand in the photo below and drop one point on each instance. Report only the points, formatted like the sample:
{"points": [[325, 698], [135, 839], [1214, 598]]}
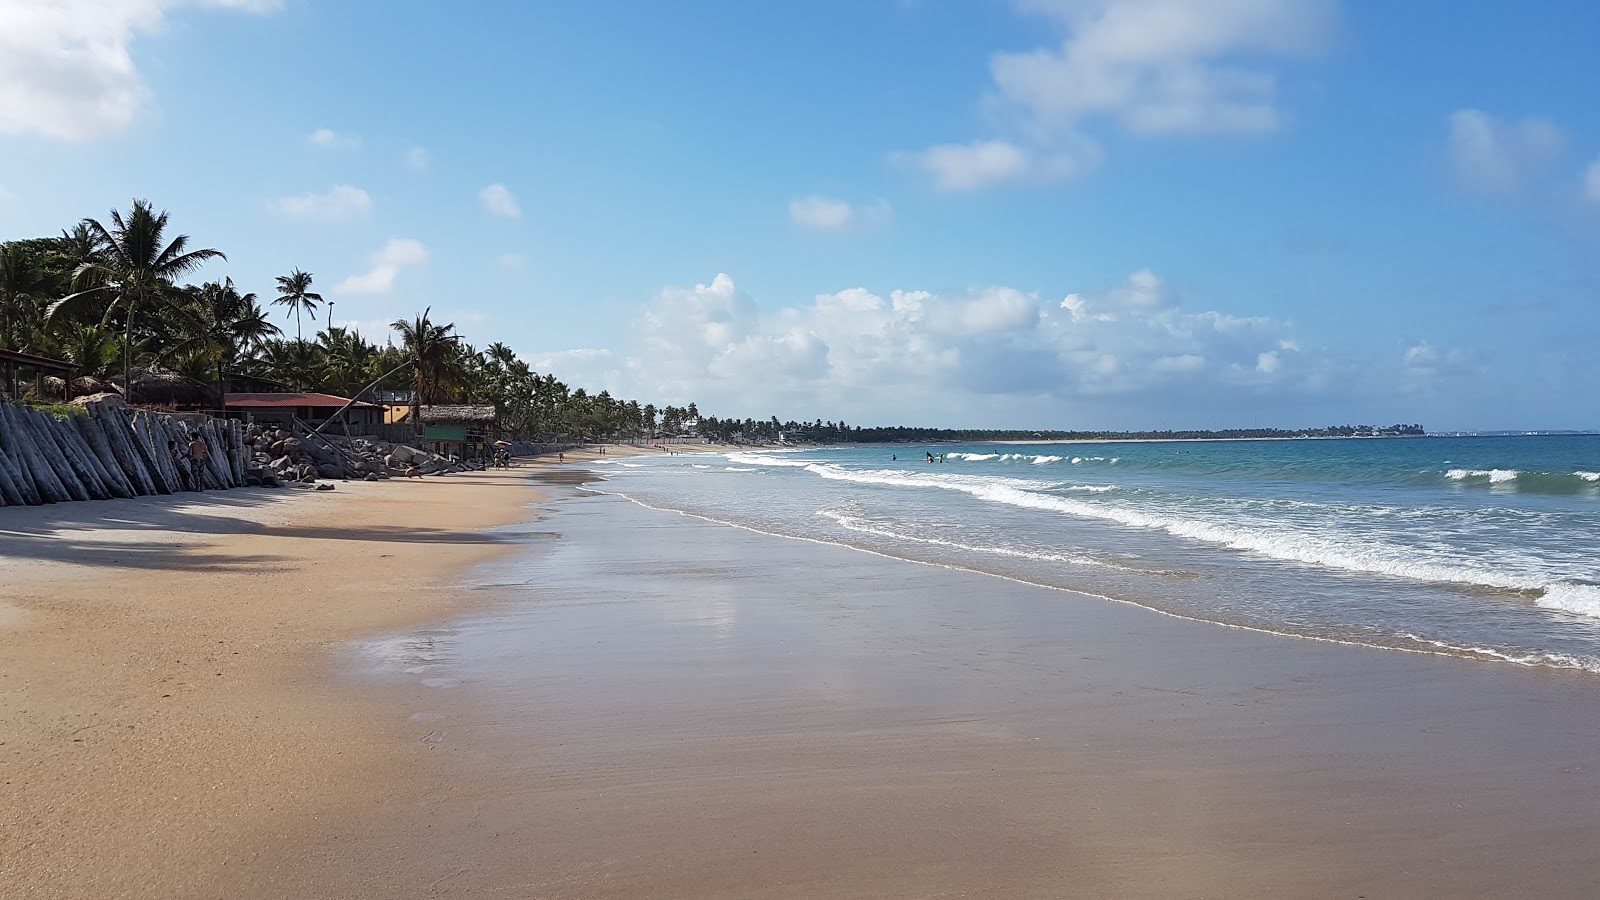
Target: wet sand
{"points": [[660, 706]]}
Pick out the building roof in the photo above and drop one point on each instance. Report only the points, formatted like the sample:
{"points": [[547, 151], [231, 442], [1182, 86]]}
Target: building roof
{"points": [[458, 413], [292, 400], [39, 362]]}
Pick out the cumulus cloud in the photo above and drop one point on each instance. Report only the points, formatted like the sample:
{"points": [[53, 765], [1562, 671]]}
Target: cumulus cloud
{"points": [[838, 216], [1591, 182], [497, 200], [1161, 66], [1493, 156], [1150, 67], [328, 139], [397, 254], [914, 350], [342, 201], [66, 67]]}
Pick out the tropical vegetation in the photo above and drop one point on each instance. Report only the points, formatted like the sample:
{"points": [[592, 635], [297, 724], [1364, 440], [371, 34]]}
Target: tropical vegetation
{"points": [[109, 299]]}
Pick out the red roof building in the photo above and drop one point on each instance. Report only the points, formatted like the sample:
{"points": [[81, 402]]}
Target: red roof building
{"points": [[309, 406]]}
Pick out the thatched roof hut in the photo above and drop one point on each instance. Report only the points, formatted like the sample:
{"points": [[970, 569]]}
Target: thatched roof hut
{"points": [[471, 414], [154, 385]]}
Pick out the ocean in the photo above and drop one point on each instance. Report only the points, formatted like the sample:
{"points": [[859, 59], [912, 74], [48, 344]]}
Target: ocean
{"points": [[1487, 547]]}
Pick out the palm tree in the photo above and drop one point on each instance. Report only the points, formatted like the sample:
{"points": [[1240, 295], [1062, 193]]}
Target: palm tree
{"points": [[289, 362], [136, 265], [18, 283], [294, 291], [348, 357], [93, 349], [219, 323], [435, 358]]}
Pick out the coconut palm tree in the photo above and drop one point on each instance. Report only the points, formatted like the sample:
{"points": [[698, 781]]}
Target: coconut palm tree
{"points": [[19, 282], [92, 348], [435, 352], [294, 291], [349, 359], [295, 363], [219, 323], [135, 264]]}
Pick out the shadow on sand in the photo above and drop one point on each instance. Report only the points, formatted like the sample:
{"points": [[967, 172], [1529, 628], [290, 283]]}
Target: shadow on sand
{"points": [[82, 533]]}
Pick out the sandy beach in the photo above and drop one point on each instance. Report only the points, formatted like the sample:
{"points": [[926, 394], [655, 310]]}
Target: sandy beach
{"points": [[301, 695], [165, 710]]}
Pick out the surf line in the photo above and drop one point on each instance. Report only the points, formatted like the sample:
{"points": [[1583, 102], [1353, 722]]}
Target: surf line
{"points": [[1489, 656]]}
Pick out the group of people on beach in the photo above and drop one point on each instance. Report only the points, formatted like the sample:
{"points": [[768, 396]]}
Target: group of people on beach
{"points": [[190, 463]]}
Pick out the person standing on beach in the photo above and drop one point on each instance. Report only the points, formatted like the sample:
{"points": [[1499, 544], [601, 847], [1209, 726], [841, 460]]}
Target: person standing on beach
{"points": [[198, 451]]}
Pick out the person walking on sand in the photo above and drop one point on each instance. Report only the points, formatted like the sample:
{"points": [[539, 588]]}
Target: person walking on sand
{"points": [[198, 451]]}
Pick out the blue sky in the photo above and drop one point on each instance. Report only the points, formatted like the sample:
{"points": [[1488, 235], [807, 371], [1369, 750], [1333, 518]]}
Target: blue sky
{"points": [[1050, 213]]}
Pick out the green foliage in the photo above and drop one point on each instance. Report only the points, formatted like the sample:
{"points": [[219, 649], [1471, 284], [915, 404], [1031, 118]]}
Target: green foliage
{"points": [[97, 293], [59, 410]]}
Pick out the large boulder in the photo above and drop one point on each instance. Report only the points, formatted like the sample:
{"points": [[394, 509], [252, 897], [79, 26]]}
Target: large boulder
{"points": [[329, 470]]}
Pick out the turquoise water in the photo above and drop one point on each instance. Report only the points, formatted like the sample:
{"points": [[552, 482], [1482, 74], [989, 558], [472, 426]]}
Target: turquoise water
{"points": [[1483, 547]]}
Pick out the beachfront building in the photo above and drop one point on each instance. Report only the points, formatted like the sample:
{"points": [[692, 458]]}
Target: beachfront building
{"points": [[310, 407], [458, 429]]}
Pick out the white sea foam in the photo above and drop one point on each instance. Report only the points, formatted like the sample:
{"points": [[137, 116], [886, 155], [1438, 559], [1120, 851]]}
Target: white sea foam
{"points": [[857, 524], [1046, 460], [1587, 476], [1495, 476], [1093, 488], [1277, 540], [763, 459], [1552, 660], [974, 457], [698, 466], [1583, 599], [737, 469]]}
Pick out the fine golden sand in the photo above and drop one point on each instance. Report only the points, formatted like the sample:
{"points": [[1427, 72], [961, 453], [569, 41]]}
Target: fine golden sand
{"points": [[164, 706]]}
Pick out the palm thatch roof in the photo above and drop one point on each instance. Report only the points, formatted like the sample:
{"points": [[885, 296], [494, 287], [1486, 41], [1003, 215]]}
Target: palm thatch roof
{"points": [[440, 413], [157, 386]]}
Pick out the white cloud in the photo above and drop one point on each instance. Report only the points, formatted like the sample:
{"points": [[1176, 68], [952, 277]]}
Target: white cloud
{"points": [[67, 68], [1491, 156], [1151, 67], [512, 261], [1591, 182], [328, 139], [1161, 66], [932, 352], [342, 201], [827, 214], [417, 159], [497, 199], [982, 164], [399, 253]]}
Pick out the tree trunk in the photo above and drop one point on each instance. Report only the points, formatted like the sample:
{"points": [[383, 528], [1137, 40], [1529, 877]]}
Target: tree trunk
{"points": [[74, 453], [119, 435], [10, 481], [95, 435], [149, 435], [46, 464]]}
